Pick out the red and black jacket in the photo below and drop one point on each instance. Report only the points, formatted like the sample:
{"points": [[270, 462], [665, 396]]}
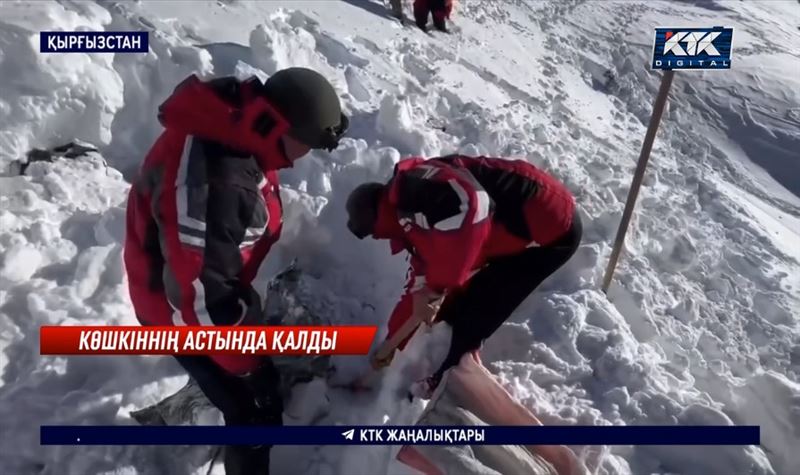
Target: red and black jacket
{"points": [[454, 214], [205, 209]]}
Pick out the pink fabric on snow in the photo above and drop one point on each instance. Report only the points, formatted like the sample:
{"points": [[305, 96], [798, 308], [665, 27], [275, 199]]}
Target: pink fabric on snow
{"points": [[411, 457], [473, 388]]}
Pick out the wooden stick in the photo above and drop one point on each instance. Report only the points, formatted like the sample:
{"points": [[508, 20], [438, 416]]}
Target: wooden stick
{"points": [[386, 348], [655, 119], [401, 334]]}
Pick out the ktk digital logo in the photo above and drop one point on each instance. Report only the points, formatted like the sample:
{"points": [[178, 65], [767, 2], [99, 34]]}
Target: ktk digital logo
{"points": [[692, 48]]}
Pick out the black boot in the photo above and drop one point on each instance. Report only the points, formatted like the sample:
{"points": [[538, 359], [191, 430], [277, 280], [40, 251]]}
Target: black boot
{"points": [[440, 25], [264, 384], [264, 408], [421, 19], [246, 460]]}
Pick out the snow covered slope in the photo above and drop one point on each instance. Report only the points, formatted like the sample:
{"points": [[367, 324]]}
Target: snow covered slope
{"points": [[701, 326]]}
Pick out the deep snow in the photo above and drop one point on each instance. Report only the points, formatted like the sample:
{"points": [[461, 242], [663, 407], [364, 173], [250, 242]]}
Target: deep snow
{"points": [[701, 325]]}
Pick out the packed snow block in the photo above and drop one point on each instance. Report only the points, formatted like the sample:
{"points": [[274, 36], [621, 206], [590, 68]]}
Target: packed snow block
{"points": [[20, 263], [469, 396], [397, 121], [772, 401]]}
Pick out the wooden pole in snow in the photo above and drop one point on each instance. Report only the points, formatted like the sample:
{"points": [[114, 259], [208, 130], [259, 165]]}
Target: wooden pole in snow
{"points": [[644, 156]]}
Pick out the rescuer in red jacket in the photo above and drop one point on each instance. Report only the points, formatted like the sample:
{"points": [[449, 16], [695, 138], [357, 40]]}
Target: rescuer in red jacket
{"points": [[203, 213], [482, 233]]}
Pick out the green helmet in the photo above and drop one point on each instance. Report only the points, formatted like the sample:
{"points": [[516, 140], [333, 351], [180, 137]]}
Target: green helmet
{"points": [[310, 103]]}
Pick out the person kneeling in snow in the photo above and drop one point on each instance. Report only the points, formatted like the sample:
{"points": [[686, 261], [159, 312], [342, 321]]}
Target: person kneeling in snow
{"points": [[482, 233], [205, 210]]}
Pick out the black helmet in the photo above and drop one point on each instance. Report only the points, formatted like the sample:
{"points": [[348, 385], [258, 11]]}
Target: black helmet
{"points": [[310, 103], [362, 209]]}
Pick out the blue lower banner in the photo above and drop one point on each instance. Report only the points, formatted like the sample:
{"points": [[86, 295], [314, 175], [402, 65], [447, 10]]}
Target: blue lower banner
{"points": [[397, 435]]}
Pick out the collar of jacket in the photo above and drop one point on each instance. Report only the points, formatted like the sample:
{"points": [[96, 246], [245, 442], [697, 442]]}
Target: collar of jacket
{"points": [[249, 124], [406, 164], [387, 226]]}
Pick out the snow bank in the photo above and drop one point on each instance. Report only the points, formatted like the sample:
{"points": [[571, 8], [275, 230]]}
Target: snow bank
{"points": [[61, 265], [51, 99], [699, 327], [772, 401]]}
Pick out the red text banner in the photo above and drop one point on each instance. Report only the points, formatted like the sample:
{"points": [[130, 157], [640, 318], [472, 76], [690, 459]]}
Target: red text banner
{"points": [[135, 340]]}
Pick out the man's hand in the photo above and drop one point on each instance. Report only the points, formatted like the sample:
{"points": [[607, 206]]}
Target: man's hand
{"points": [[379, 361], [426, 306]]}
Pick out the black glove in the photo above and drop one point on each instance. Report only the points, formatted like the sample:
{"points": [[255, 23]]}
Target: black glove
{"points": [[264, 386], [253, 314]]}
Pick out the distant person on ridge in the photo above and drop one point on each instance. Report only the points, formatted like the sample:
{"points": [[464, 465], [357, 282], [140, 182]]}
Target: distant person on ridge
{"points": [[203, 213], [397, 10], [482, 234], [439, 9]]}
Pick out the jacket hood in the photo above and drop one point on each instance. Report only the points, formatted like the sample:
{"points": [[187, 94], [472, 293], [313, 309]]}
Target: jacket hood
{"points": [[229, 112]]}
